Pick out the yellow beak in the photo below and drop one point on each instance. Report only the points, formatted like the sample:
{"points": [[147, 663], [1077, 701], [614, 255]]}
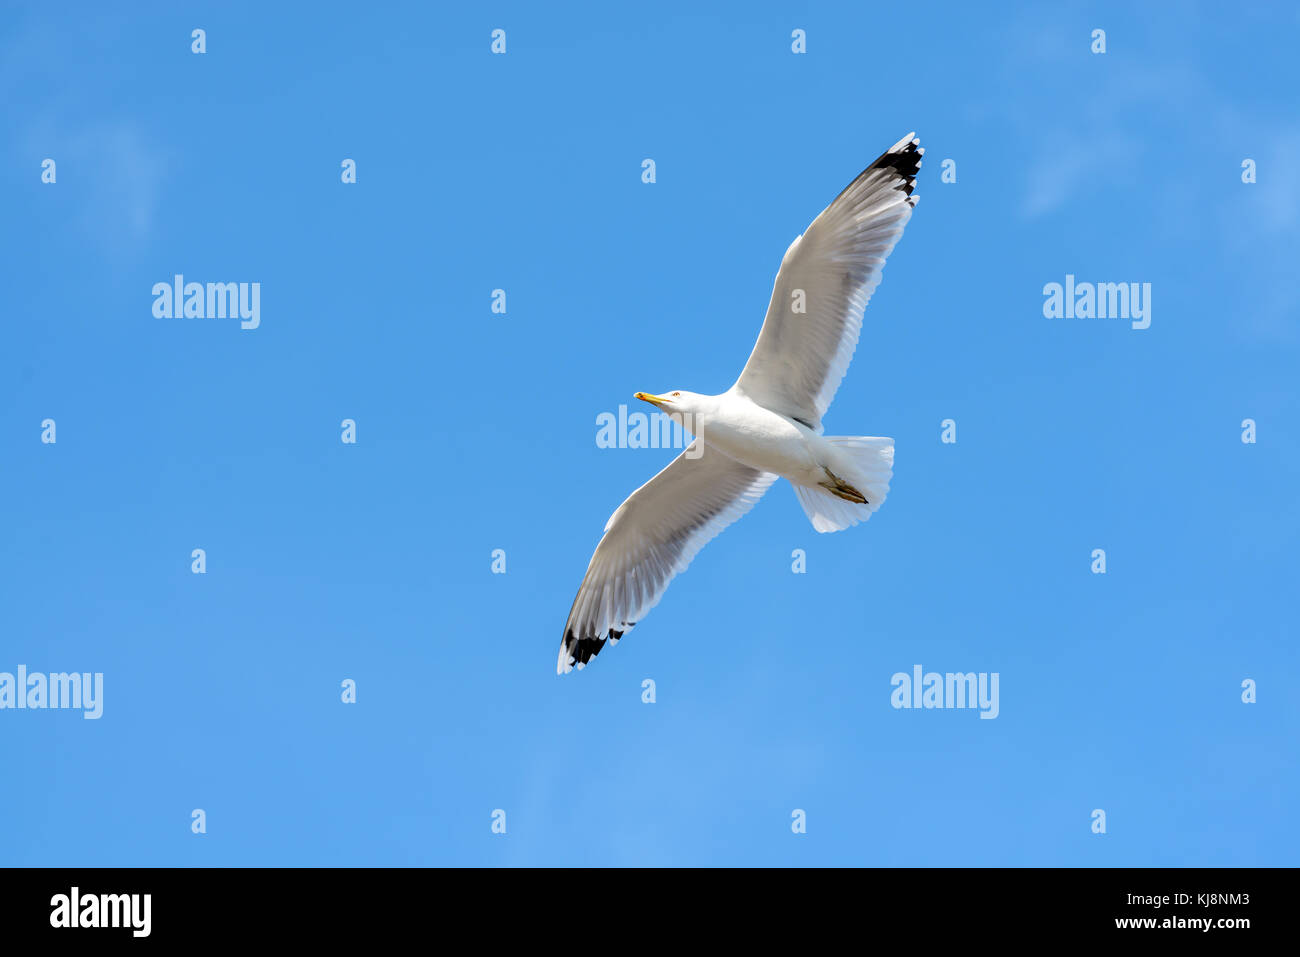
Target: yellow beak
{"points": [[652, 399]]}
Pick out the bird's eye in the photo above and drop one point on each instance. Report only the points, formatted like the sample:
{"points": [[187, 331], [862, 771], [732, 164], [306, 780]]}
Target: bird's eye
{"points": [[677, 395]]}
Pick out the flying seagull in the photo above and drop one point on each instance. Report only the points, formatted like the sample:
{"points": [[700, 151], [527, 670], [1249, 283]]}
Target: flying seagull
{"points": [[766, 426]]}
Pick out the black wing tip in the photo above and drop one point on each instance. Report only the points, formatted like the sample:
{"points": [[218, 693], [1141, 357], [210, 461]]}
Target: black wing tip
{"points": [[577, 651], [904, 158]]}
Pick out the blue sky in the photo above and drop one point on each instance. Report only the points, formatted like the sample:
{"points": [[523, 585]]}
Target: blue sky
{"points": [[476, 431]]}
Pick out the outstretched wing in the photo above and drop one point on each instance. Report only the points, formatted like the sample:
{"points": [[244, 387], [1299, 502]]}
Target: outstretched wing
{"points": [[649, 539], [830, 273]]}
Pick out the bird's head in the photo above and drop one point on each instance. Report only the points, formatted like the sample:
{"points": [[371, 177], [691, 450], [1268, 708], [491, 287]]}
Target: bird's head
{"points": [[679, 404]]}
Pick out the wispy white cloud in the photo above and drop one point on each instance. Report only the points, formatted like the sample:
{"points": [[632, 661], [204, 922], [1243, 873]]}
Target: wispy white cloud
{"points": [[1080, 138], [114, 164]]}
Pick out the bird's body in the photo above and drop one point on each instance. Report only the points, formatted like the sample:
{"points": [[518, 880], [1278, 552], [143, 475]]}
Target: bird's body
{"points": [[768, 424], [765, 440]]}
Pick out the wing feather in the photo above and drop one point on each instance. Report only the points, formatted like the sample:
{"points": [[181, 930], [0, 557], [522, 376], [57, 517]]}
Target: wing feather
{"points": [[652, 537], [801, 356]]}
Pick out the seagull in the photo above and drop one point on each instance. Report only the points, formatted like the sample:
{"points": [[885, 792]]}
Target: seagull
{"points": [[768, 425]]}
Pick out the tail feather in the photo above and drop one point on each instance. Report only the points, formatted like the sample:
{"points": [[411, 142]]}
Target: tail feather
{"points": [[870, 467]]}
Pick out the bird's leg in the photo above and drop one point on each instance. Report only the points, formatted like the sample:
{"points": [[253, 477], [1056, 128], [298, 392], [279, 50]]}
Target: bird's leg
{"points": [[842, 489]]}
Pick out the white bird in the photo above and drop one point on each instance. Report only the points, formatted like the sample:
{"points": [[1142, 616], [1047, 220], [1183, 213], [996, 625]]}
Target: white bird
{"points": [[767, 425]]}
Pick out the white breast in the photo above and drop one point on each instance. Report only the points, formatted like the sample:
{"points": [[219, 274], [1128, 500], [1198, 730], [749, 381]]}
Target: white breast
{"points": [[761, 439]]}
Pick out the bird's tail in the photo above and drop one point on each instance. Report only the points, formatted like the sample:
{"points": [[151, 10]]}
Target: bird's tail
{"points": [[834, 504]]}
